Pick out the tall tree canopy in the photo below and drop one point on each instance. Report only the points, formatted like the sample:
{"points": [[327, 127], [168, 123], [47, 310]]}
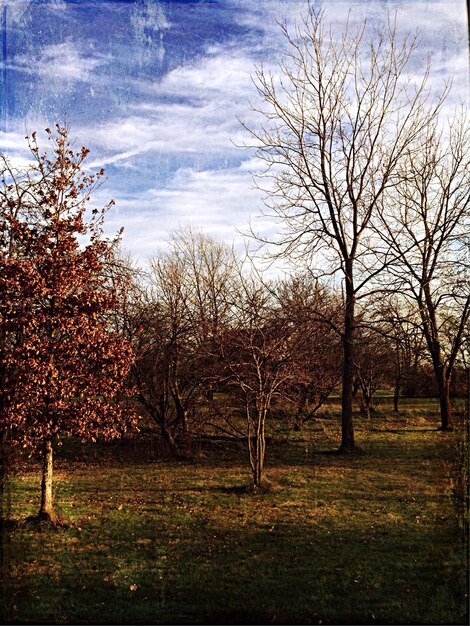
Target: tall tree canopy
{"points": [[427, 229], [338, 120]]}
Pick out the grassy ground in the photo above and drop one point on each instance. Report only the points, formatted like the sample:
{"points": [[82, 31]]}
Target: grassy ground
{"points": [[379, 537]]}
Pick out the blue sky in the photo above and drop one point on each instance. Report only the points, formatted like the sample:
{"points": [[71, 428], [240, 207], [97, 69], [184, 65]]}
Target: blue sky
{"points": [[154, 89]]}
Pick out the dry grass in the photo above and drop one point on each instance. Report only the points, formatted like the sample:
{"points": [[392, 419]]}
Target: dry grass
{"points": [[378, 537]]}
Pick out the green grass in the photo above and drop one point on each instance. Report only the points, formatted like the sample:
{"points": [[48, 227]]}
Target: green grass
{"points": [[379, 537]]}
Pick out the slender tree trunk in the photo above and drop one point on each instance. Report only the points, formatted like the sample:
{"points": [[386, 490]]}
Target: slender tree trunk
{"points": [[46, 510], [185, 438], [258, 464], [396, 394], [258, 469], [180, 412], [250, 437], [260, 447], [366, 402], [5, 500], [170, 441], [210, 394], [347, 429], [299, 421], [256, 448], [396, 388], [356, 386], [183, 418], [444, 399]]}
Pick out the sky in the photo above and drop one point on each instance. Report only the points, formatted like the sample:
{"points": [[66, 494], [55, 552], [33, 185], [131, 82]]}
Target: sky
{"points": [[155, 89]]}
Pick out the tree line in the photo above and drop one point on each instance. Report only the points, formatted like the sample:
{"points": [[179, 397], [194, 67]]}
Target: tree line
{"points": [[369, 184]]}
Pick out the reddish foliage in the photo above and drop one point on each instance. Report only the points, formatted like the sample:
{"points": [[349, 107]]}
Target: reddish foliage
{"points": [[63, 367]]}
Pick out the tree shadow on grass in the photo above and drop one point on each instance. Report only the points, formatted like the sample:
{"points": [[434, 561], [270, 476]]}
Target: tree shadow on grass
{"points": [[9, 524], [342, 454], [405, 431], [36, 522], [273, 571], [246, 488]]}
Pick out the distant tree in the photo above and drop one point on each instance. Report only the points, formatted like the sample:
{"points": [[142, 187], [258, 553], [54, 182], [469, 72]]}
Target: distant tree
{"points": [[397, 320], [211, 274], [427, 229], [179, 317], [314, 310], [64, 368], [374, 366], [338, 121]]}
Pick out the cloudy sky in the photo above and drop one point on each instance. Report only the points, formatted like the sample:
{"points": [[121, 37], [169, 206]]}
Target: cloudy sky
{"points": [[154, 89]]}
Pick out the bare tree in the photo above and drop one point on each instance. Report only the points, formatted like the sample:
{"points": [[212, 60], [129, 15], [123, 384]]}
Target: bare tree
{"points": [[396, 318], [210, 276], [374, 366], [338, 122], [175, 328], [427, 230], [316, 364], [258, 349]]}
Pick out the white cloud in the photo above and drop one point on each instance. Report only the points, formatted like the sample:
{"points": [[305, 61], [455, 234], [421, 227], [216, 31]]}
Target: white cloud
{"points": [[221, 86], [219, 202], [61, 62], [192, 110], [64, 61], [11, 141], [15, 147], [222, 71], [264, 15]]}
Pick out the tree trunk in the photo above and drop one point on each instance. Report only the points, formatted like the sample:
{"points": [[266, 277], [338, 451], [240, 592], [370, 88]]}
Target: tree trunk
{"points": [[431, 333], [260, 450], [299, 423], [256, 444], [5, 492], [181, 414], [356, 386], [46, 511], [396, 388], [258, 460], [257, 472], [183, 418], [444, 400], [366, 402], [170, 441], [299, 420], [347, 429], [396, 394]]}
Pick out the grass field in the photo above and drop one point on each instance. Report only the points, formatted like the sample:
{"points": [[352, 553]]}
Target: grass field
{"points": [[378, 537]]}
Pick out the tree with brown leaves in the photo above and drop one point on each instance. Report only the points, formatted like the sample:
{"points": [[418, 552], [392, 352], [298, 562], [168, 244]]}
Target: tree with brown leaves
{"points": [[63, 368]]}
